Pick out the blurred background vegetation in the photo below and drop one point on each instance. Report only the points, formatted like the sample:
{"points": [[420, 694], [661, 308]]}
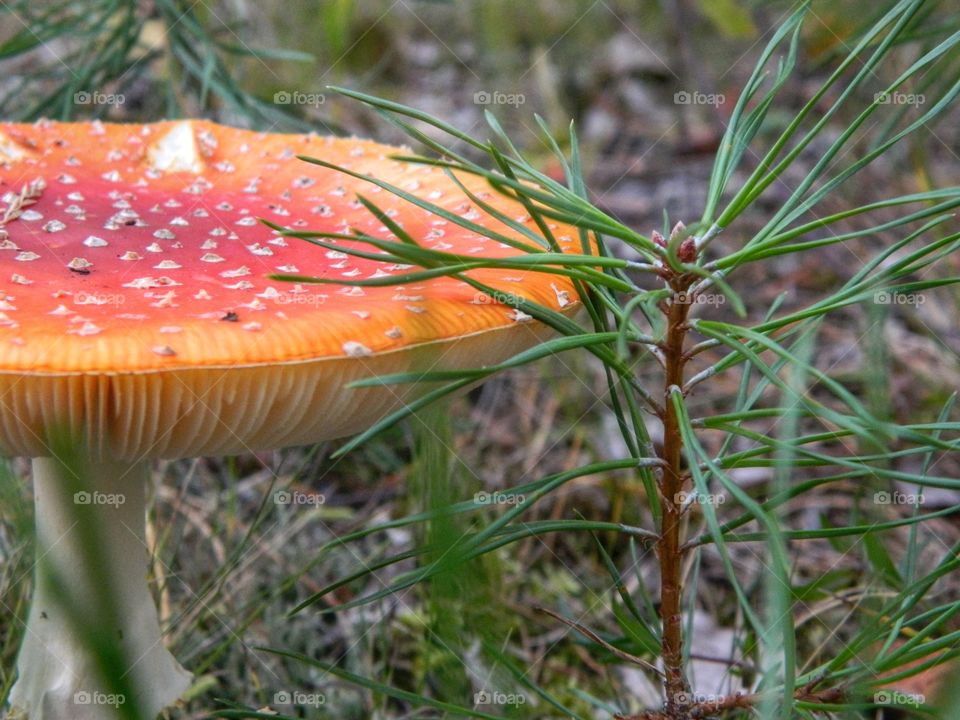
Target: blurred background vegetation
{"points": [[649, 84]]}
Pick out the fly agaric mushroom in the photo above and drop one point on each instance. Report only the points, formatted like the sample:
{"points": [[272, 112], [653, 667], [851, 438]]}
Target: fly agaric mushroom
{"points": [[136, 313]]}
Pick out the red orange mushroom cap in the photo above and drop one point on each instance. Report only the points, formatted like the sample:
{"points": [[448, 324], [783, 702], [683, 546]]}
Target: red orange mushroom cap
{"points": [[137, 250], [143, 250]]}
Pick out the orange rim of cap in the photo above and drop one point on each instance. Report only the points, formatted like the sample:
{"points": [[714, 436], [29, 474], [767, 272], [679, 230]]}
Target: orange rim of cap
{"points": [[137, 248]]}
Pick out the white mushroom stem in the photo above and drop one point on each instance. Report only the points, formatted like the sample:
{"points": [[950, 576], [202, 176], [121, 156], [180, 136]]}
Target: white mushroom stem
{"points": [[97, 593]]}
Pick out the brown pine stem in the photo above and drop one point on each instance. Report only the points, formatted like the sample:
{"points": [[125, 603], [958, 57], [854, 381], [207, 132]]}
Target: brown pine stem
{"points": [[669, 546]]}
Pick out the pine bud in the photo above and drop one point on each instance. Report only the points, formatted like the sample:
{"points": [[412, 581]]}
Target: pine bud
{"points": [[678, 230], [687, 252]]}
